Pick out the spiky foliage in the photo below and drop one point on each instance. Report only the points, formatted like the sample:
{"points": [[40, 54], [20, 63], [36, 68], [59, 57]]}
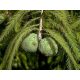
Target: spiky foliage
{"points": [[62, 26]]}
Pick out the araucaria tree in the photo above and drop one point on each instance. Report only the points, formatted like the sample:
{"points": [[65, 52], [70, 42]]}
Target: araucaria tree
{"points": [[40, 39]]}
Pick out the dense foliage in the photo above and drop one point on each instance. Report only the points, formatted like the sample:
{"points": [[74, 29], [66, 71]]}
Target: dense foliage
{"points": [[55, 43]]}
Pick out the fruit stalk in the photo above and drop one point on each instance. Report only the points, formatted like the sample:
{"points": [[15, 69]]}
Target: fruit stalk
{"points": [[40, 27]]}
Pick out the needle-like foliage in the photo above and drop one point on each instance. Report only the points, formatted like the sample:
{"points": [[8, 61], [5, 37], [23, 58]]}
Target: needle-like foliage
{"points": [[61, 25]]}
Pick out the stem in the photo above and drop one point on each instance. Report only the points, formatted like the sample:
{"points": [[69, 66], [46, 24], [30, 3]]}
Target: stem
{"points": [[40, 27]]}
